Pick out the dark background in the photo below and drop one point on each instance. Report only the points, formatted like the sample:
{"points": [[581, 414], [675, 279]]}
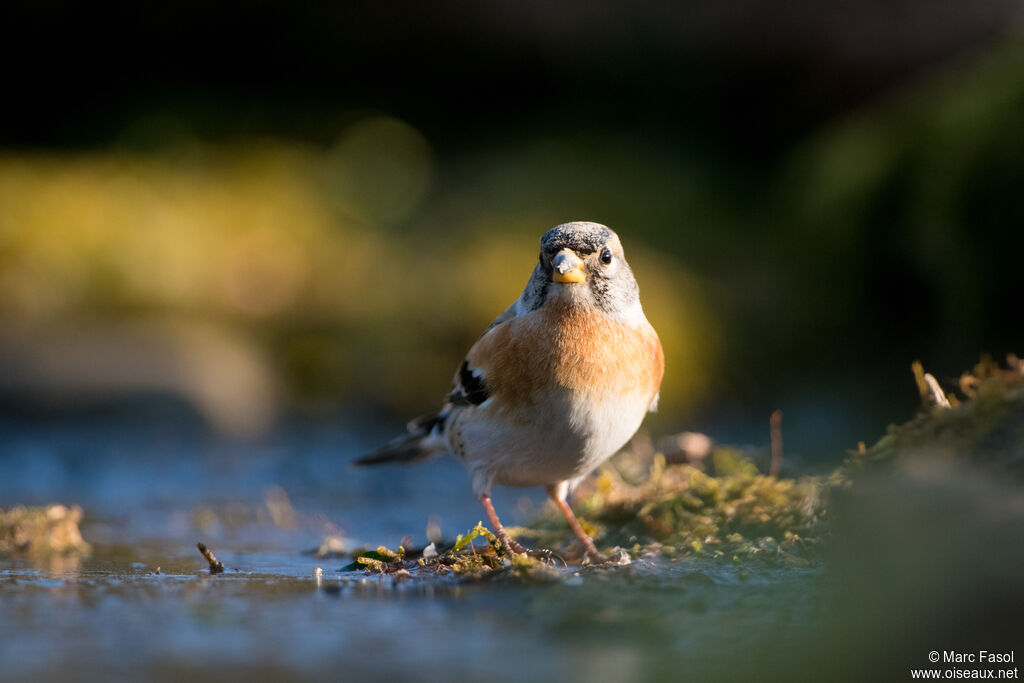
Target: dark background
{"points": [[816, 195]]}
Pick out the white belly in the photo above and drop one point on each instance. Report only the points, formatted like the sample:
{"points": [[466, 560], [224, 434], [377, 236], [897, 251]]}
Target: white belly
{"points": [[561, 440]]}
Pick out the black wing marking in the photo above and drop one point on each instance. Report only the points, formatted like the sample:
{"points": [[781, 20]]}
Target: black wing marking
{"points": [[471, 389]]}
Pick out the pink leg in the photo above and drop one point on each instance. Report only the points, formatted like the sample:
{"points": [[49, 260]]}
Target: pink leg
{"points": [[558, 495], [510, 546]]}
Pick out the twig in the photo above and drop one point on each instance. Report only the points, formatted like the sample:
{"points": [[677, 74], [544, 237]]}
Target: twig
{"points": [[216, 566], [775, 425]]}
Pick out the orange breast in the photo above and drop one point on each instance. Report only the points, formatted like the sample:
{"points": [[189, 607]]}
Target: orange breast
{"points": [[582, 350]]}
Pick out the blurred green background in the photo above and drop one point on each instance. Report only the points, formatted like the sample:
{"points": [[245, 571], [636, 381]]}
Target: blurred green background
{"points": [[263, 211]]}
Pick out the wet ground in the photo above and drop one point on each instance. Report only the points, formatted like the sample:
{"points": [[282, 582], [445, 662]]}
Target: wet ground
{"points": [[142, 605]]}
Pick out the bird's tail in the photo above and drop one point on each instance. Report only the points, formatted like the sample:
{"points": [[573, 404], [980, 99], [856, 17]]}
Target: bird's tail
{"points": [[424, 438]]}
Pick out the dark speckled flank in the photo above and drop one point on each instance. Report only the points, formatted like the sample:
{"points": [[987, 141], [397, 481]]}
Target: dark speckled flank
{"points": [[582, 237]]}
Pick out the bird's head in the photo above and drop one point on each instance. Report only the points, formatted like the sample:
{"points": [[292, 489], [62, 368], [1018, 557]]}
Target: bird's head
{"points": [[582, 263]]}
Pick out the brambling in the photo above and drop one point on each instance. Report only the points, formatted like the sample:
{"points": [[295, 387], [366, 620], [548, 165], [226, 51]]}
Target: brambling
{"points": [[555, 386]]}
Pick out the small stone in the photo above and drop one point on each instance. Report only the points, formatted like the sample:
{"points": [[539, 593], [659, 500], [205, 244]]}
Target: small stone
{"points": [[620, 557]]}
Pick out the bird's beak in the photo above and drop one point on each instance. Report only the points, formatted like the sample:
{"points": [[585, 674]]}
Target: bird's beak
{"points": [[567, 267]]}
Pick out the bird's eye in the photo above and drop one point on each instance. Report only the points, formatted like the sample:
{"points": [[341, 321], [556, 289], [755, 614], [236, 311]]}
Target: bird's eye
{"points": [[606, 256]]}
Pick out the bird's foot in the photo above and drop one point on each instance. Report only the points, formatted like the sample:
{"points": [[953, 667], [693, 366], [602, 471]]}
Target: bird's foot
{"points": [[513, 547], [508, 544], [547, 556]]}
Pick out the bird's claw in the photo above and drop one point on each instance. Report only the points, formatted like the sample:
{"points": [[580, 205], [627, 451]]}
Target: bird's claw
{"points": [[546, 555], [516, 548]]}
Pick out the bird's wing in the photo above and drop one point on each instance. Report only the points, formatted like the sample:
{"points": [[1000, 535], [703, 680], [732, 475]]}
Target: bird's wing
{"points": [[469, 387]]}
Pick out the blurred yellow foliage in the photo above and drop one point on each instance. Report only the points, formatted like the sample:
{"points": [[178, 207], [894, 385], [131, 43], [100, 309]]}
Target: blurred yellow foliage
{"points": [[312, 255]]}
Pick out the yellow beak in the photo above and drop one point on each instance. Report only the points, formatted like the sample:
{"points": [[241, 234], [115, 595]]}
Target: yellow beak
{"points": [[567, 267]]}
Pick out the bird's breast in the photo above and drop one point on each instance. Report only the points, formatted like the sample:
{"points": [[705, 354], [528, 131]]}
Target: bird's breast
{"points": [[571, 355], [567, 389]]}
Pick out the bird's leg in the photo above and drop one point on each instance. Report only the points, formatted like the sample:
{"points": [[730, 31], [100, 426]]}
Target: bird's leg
{"points": [[510, 546], [558, 493]]}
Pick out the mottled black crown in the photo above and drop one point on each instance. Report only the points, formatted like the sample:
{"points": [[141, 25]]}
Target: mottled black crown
{"points": [[582, 237]]}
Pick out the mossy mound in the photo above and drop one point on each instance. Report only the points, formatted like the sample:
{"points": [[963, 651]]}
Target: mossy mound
{"points": [[678, 510], [42, 529], [984, 426]]}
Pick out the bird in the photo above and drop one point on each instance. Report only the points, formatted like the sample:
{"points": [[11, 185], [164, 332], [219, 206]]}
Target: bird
{"points": [[555, 385]]}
